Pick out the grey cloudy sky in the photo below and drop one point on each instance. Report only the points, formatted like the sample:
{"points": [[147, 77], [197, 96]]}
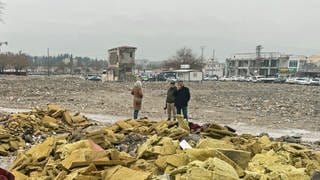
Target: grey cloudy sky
{"points": [[159, 27]]}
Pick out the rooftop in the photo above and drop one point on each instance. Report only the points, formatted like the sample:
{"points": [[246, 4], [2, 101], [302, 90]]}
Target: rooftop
{"points": [[122, 47]]}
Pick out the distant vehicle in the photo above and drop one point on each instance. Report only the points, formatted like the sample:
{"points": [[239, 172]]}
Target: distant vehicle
{"points": [[291, 80], [280, 80], [241, 78], [211, 78], [234, 78], [91, 77], [315, 81], [302, 81], [144, 78], [248, 78], [256, 79], [171, 78], [160, 77], [225, 79], [267, 79], [166, 76], [152, 78]]}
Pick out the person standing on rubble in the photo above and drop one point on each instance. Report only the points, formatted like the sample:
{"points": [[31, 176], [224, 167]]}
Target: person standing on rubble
{"points": [[170, 100], [137, 98], [182, 97]]}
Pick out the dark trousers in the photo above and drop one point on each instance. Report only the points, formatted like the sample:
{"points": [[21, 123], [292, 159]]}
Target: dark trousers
{"points": [[184, 111], [135, 114]]}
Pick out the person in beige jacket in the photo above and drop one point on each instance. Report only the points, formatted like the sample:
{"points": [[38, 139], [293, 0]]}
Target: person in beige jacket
{"points": [[137, 98]]}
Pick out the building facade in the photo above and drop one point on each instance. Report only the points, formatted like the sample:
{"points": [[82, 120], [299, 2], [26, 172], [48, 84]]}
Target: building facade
{"points": [[214, 68], [253, 64]]}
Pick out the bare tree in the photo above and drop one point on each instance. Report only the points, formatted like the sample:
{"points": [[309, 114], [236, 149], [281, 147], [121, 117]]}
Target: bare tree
{"points": [[19, 62], [184, 56], [4, 62]]}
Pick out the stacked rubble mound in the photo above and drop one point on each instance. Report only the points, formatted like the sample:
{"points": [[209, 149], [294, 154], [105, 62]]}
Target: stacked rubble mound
{"points": [[145, 149], [33, 127], [9, 143]]}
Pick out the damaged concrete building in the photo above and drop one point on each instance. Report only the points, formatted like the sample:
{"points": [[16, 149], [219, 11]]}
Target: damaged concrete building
{"points": [[121, 63], [259, 63]]}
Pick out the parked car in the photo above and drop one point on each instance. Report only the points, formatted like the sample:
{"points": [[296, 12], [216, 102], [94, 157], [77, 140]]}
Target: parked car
{"points": [[144, 78], [225, 79], [315, 81], [280, 80], [256, 79], [171, 78], [302, 81], [291, 80], [160, 77], [94, 78], [241, 78], [211, 78], [267, 79]]}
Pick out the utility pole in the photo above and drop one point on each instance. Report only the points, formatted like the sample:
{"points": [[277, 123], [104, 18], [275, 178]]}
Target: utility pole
{"points": [[213, 55], [71, 64], [48, 61], [202, 49]]}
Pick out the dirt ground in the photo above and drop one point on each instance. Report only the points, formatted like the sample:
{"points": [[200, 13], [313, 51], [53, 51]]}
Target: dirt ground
{"points": [[278, 109], [258, 104]]}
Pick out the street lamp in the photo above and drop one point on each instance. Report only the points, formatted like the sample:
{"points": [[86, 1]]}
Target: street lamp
{"points": [[3, 43]]}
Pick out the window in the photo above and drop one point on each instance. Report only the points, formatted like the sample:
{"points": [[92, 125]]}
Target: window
{"points": [[293, 63], [273, 72], [265, 63], [243, 63], [131, 54], [194, 74], [274, 63]]}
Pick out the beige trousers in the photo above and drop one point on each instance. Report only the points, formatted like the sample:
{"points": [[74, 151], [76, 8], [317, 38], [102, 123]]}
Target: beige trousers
{"points": [[171, 108]]}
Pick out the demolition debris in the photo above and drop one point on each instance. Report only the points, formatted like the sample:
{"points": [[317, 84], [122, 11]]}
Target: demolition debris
{"points": [[145, 149], [20, 129]]}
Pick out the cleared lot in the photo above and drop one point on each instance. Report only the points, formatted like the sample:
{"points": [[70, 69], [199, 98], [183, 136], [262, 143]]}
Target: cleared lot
{"points": [[267, 105]]}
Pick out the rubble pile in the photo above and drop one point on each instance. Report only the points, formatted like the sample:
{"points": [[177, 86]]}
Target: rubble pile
{"points": [[8, 142], [33, 127], [145, 149]]}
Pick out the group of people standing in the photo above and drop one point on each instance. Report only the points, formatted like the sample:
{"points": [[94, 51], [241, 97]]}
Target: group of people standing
{"points": [[178, 97]]}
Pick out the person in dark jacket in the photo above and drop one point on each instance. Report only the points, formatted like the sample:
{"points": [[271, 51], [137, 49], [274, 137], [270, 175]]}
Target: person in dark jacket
{"points": [[170, 100], [182, 97]]}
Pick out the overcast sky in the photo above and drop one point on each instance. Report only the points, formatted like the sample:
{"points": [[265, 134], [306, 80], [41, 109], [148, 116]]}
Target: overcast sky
{"points": [[159, 27]]}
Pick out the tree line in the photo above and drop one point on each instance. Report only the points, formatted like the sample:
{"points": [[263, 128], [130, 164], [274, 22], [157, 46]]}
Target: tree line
{"points": [[13, 61], [60, 64]]}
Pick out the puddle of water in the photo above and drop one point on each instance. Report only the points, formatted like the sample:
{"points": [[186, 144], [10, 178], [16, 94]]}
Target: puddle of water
{"points": [[104, 118], [309, 136]]}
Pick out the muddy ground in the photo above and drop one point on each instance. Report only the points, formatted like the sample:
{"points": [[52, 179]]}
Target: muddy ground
{"points": [[257, 104]]}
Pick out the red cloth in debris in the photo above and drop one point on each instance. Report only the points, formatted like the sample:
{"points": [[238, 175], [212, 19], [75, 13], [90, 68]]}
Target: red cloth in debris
{"points": [[5, 175]]}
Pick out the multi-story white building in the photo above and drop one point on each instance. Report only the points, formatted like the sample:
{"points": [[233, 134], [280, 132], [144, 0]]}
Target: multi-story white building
{"points": [[213, 68]]}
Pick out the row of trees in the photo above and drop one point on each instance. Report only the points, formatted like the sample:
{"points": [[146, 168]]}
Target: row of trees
{"points": [[63, 63], [66, 63], [13, 61]]}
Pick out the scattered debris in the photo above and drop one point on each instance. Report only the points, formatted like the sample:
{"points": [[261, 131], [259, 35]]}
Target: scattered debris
{"points": [[20, 129], [145, 149]]}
